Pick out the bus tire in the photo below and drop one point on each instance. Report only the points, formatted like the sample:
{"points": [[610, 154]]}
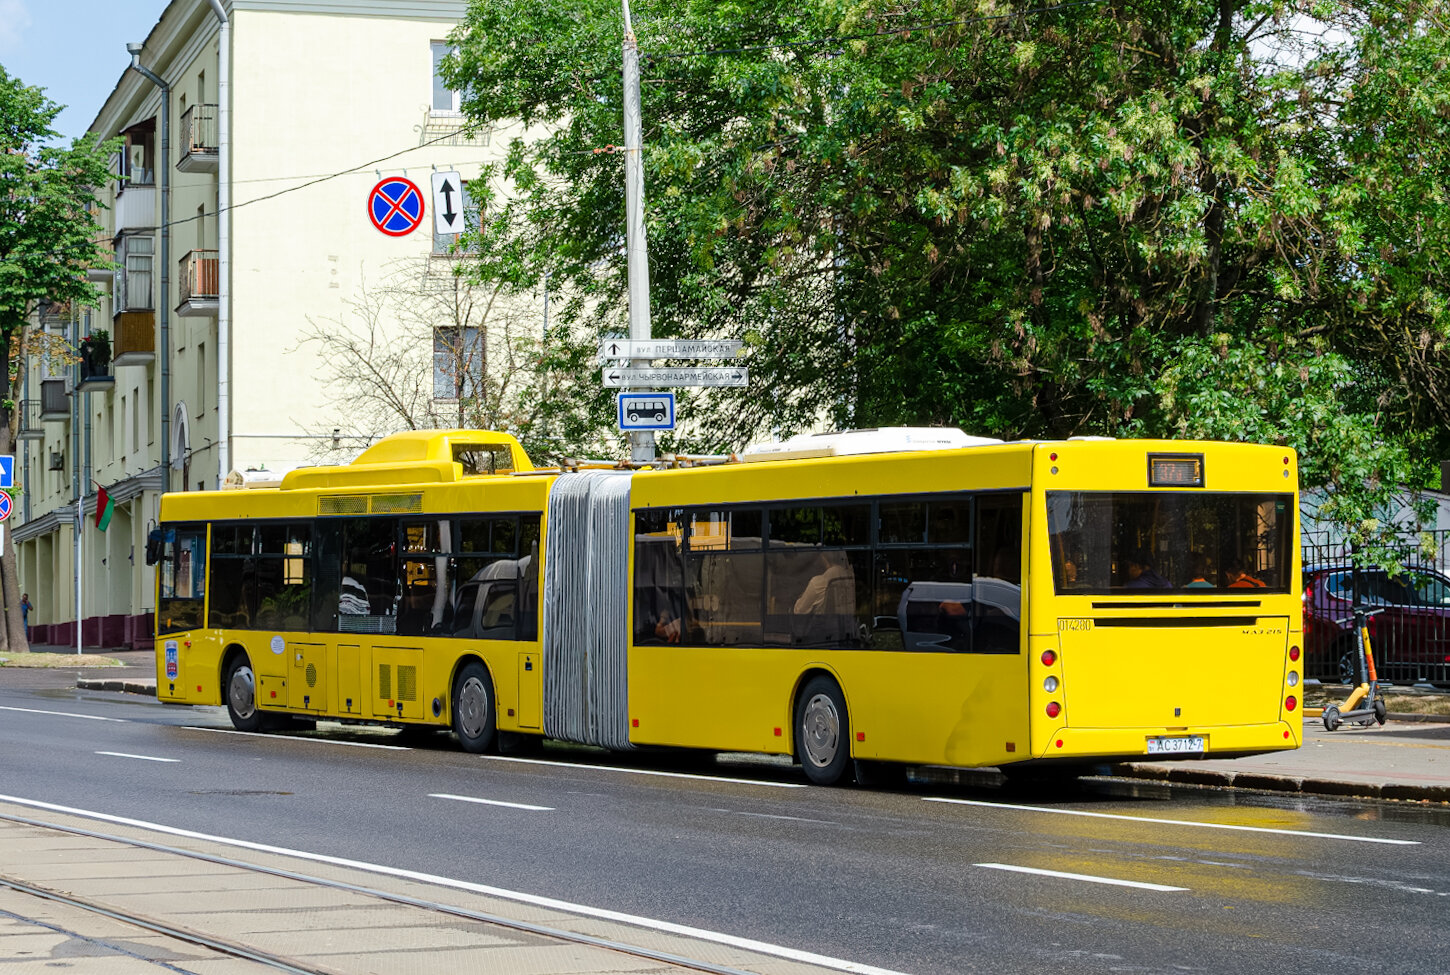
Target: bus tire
{"points": [[880, 775], [822, 732], [473, 717], [241, 685], [515, 743]]}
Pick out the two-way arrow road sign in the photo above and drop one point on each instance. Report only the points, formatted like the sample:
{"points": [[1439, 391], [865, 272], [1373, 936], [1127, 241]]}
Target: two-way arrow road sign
{"points": [[707, 376], [447, 203], [669, 348]]}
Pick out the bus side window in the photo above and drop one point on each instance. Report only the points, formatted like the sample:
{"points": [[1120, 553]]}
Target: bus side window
{"points": [[997, 586]]}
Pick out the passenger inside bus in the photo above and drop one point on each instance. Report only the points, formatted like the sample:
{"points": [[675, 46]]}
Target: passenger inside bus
{"points": [[1198, 572], [825, 612], [1141, 574], [1237, 576]]}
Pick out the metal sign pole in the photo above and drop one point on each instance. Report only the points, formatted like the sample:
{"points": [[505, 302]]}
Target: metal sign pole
{"points": [[80, 549], [642, 443]]}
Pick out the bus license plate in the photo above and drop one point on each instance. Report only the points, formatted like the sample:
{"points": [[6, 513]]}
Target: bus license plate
{"points": [[1175, 746]]}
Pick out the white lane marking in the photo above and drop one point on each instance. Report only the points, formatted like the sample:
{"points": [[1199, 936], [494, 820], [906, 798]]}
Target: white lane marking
{"points": [[491, 802], [645, 771], [652, 924], [1078, 876], [1173, 822], [793, 819], [144, 758], [322, 741], [66, 714]]}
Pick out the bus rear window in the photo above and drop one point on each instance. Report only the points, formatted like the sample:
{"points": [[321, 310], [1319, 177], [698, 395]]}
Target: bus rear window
{"points": [[1123, 542]]}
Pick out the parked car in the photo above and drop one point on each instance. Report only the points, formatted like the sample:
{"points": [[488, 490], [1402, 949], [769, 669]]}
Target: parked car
{"points": [[1410, 635]]}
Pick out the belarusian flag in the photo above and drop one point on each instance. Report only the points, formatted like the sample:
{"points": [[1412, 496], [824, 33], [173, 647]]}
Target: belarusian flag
{"points": [[105, 507]]}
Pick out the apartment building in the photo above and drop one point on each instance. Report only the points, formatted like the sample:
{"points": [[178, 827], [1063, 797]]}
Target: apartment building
{"points": [[255, 133]]}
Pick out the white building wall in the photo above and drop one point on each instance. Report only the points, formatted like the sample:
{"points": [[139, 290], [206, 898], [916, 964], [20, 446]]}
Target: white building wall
{"points": [[362, 92]]}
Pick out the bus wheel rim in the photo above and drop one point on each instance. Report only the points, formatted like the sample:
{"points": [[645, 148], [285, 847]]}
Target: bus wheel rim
{"points": [[242, 692], [820, 730], [472, 707]]}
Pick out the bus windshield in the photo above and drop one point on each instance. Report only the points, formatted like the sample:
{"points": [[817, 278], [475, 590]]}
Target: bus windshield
{"points": [[1121, 541]]}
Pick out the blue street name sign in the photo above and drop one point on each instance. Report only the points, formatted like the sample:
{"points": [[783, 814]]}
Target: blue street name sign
{"points": [[646, 411]]}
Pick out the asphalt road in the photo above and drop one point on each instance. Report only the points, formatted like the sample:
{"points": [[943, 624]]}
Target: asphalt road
{"points": [[932, 879]]}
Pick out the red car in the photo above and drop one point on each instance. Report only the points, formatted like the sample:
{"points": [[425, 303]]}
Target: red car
{"points": [[1410, 635]]}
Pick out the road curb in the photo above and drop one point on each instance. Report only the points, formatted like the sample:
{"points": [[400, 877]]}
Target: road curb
{"points": [[1265, 782], [127, 686]]}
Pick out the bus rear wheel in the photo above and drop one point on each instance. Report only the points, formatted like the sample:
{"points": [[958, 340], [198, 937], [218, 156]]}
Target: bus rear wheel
{"points": [[241, 685], [473, 717], [823, 732]]}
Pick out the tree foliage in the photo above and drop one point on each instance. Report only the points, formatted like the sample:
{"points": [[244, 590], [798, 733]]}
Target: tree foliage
{"points": [[49, 236], [1132, 217]]}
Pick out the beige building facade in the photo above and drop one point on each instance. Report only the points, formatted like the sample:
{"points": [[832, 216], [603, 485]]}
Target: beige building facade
{"points": [[249, 227]]}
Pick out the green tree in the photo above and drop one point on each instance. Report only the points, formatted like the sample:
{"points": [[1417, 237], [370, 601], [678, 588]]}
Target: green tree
{"points": [[49, 236], [1144, 218]]}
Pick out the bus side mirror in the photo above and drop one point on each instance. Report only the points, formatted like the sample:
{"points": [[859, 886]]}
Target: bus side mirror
{"points": [[154, 546]]}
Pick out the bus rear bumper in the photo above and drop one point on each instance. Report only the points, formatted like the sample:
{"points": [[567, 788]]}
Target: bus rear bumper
{"points": [[1168, 745]]}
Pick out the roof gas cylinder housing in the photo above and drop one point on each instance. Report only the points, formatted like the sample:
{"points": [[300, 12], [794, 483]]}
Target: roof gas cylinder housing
{"points": [[420, 456]]}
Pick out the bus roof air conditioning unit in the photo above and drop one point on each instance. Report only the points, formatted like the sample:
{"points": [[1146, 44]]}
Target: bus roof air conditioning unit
{"points": [[881, 440]]}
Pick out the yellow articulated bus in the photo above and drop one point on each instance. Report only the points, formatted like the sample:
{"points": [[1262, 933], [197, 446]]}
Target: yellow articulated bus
{"points": [[907, 596]]}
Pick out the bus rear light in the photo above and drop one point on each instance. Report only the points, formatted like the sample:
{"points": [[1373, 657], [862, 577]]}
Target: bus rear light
{"points": [[1050, 685], [1053, 709], [1293, 678], [1294, 653], [1049, 658], [1290, 703]]}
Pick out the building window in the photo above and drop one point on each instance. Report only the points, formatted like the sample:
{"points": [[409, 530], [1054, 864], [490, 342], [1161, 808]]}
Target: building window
{"points": [[445, 100], [457, 363], [133, 285], [139, 162]]}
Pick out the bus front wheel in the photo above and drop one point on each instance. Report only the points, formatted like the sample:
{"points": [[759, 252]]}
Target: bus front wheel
{"points": [[473, 718], [242, 695], [823, 732]]}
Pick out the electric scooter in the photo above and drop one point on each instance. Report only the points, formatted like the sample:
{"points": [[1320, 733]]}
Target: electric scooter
{"points": [[1365, 705]]}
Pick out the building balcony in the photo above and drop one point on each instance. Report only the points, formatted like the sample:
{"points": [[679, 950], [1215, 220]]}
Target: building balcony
{"points": [[133, 337], [199, 285], [198, 140], [104, 272], [28, 425], [136, 208], [95, 376], [54, 403]]}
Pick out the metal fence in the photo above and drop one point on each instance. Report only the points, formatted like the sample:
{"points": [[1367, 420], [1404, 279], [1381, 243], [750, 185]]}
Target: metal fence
{"points": [[1410, 633]]}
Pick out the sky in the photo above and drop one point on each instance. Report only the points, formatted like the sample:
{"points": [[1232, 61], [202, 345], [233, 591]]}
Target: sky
{"points": [[74, 49]]}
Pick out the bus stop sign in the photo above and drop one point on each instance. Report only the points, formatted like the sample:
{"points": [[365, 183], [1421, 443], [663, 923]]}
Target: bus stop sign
{"points": [[646, 411]]}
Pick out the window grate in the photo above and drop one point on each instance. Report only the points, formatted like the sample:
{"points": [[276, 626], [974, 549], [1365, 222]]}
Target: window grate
{"points": [[343, 504], [389, 504]]}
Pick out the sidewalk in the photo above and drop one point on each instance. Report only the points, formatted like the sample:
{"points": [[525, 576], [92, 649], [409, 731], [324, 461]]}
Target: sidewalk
{"points": [[232, 913], [1408, 759]]}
